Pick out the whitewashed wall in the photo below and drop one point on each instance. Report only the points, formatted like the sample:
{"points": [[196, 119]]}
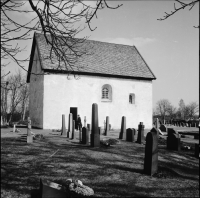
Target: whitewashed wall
{"points": [[60, 94], [36, 93]]}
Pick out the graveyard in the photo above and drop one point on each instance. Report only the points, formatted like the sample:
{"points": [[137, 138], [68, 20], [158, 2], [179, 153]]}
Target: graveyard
{"points": [[140, 164]]}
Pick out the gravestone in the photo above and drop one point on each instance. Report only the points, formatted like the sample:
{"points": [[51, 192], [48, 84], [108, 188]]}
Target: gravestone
{"points": [[70, 125], [151, 153], [163, 128], [84, 121], [157, 123], [73, 130], [196, 150], [95, 137], [14, 128], [123, 128], [140, 138], [52, 190], [130, 134], [88, 126], [29, 136], [107, 125], [173, 140], [63, 130], [85, 136]]}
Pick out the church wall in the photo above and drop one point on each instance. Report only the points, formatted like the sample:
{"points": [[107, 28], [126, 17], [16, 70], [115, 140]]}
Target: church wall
{"points": [[36, 93], [61, 93]]}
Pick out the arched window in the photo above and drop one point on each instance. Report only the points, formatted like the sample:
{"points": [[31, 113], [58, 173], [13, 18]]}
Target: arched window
{"points": [[106, 93], [132, 98]]}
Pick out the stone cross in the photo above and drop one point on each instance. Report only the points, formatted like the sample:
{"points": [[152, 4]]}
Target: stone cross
{"points": [[173, 140], [84, 121], [140, 138], [130, 135], [95, 137], [85, 136], [151, 153], [107, 125], [123, 128], [63, 130], [70, 125]]}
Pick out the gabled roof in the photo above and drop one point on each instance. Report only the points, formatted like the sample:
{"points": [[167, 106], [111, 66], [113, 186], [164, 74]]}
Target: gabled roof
{"points": [[104, 59]]}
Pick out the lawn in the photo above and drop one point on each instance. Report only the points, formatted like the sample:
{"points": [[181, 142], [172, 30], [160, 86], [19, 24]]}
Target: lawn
{"points": [[115, 171]]}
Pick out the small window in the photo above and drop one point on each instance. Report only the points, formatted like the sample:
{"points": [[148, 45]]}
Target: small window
{"points": [[106, 93], [131, 98]]}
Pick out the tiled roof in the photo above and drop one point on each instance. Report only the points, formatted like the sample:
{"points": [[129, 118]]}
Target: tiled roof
{"points": [[104, 58]]}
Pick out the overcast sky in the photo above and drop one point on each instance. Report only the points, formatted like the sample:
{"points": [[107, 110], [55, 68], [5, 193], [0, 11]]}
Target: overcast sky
{"points": [[170, 47]]}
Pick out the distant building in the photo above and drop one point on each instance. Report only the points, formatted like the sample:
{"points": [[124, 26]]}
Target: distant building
{"points": [[114, 76]]}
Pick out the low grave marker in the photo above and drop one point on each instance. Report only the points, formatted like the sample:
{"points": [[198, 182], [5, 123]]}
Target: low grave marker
{"points": [[151, 153], [173, 140], [70, 125], [130, 135], [85, 136]]}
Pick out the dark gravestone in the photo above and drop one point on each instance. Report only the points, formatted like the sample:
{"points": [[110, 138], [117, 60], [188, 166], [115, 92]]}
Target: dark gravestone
{"points": [[70, 125], [107, 125], [173, 140], [73, 130], [130, 135], [63, 131], [88, 127], [52, 190], [95, 137], [29, 136], [123, 128], [85, 136], [140, 138], [151, 154], [196, 151], [163, 128]]}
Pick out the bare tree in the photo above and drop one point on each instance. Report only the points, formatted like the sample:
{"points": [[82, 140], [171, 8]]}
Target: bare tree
{"points": [[58, 20], [182, 109], [162, 108], [172, 111], [181, 5], [16, 83], [191, 110]]}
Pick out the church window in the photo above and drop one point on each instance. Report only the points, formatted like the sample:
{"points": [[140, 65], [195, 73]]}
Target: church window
{"points": [[106, 93], [131, 98]]}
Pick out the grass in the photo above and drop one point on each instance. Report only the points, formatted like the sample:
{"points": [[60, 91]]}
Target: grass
{"points": [[115, 171]]}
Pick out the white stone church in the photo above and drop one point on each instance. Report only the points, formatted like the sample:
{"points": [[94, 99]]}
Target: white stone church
{"points": [[114, 76]]}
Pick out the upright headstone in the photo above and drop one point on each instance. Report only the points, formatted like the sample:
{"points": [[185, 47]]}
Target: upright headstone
{"points": [[70, 125], [73, 130], [95, 137], [140, 138], [14, 128], [130, 135], [151, 153], [85, 136], [107, 125], [157, 123], [63, 131], [88, 127], [123, 128], [173, 140], [29, 136], [84, 121]]}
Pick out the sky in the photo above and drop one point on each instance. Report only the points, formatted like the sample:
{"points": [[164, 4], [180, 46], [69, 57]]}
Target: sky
{"points": [[169, 47]]}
